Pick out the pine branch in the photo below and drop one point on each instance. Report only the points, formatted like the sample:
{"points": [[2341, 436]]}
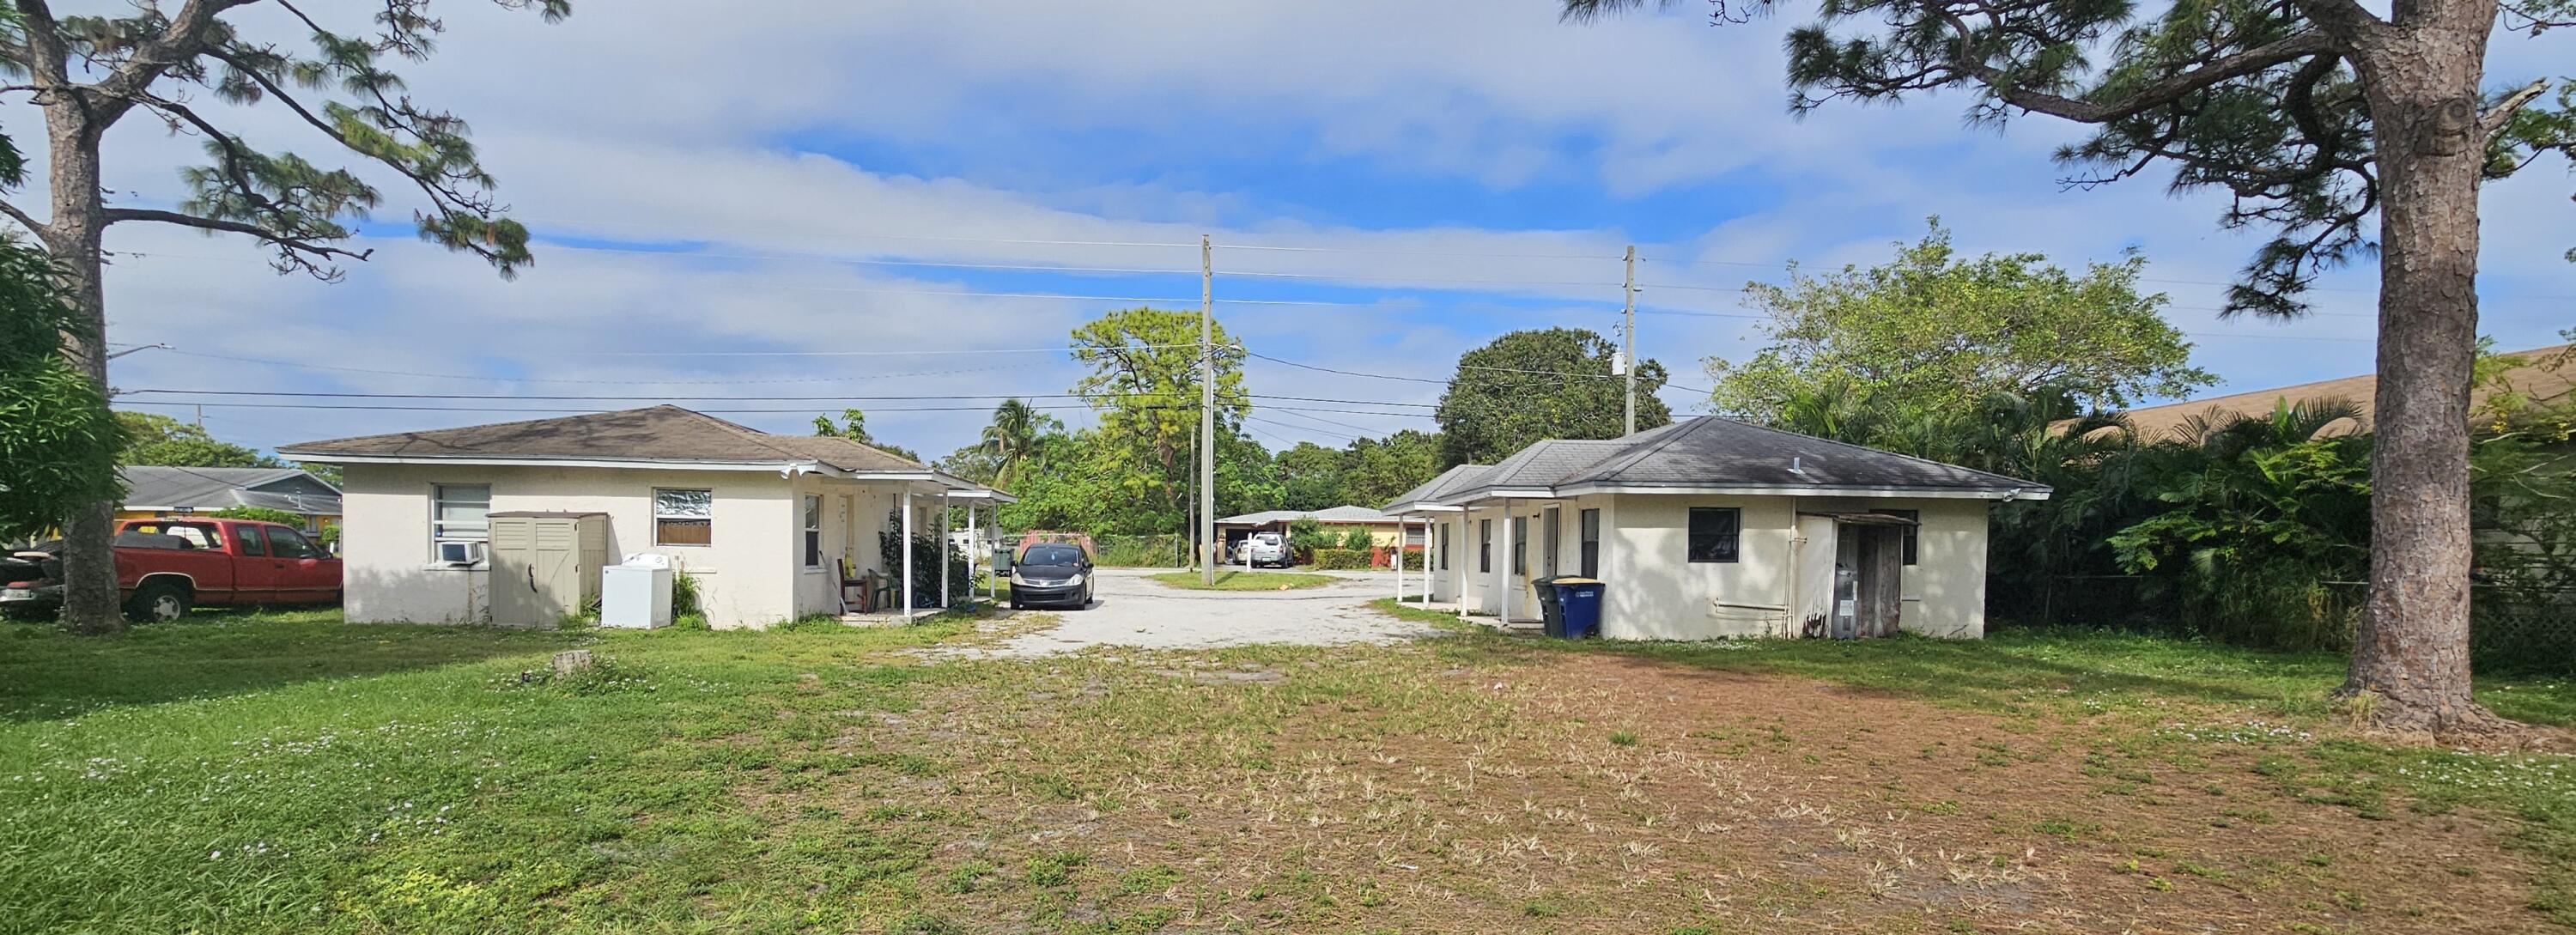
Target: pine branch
{"points": [[20, 215], [282, 241], [2497, 117]]}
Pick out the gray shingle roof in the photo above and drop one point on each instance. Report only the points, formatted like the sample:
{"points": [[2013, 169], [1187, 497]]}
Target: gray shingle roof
{"points": [[1338, 514], [206, 488], [1708, 451], [659, 433], [1714, 451]]}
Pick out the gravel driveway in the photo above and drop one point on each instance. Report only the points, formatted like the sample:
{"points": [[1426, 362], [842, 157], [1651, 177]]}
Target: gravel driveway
{"points": [[1129, 610]]}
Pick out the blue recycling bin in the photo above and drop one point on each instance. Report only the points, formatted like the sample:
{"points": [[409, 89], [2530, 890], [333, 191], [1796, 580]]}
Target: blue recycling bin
{"points": [[1581, 600]]}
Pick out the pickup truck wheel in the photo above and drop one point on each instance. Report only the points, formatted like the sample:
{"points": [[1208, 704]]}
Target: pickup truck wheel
{"points": [[159, 602]]}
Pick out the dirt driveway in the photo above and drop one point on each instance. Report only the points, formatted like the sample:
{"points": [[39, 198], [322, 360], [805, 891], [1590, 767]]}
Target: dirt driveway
{"points": [[1131, 610]]}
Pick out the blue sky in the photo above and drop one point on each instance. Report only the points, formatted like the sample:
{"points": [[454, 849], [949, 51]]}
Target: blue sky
{"points": [[804, 200]]}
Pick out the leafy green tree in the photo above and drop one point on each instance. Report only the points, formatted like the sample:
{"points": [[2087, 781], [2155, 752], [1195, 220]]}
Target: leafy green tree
{"points": [[1062, 487], [1310, 477], [58, 441], [854, 426], [1940, 333], [1144, 383], [88, 73], [1378, 470], [2343, 132], [973, 462], [1357, 538], [1529, 386], [162, 440]]}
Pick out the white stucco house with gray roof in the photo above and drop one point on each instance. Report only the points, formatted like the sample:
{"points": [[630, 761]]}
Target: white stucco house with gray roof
{"points": [[1710, 528]]}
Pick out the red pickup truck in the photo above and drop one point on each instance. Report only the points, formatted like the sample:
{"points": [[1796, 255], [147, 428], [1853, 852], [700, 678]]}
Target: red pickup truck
{"points": [[165, 566]]}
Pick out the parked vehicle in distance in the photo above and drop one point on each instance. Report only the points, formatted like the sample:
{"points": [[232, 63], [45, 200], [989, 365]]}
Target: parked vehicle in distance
{"points": [[1051, 573], [164, 567], [1266, 548]]}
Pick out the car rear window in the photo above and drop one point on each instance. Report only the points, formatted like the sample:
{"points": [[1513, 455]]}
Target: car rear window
{"points": [[1051, 555]]}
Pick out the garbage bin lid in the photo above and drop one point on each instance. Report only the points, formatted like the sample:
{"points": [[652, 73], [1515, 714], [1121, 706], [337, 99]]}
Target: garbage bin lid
{"points": [[1566, 581]]}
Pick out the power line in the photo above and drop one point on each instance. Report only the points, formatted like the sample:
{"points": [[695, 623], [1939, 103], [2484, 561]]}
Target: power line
{"points": [[502, 379], [1562, 375], [297, 394], [1302, 428]]}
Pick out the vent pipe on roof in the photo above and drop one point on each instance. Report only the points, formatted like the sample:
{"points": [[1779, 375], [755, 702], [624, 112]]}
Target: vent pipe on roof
{"points": [[1796, 466]]}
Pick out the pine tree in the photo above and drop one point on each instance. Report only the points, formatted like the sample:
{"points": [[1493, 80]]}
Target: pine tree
{"points": [[2328, 125], [90, 72]]}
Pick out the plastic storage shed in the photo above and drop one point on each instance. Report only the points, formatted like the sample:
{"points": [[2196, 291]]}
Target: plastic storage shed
{"points": [[545, 566]]}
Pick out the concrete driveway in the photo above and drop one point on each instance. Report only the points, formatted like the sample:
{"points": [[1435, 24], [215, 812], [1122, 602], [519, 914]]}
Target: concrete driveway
{"points": [[1130, 610]]}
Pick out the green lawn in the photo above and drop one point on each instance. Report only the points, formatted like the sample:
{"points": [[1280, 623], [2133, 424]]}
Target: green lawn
{"points": [[289, 773], [1238, 580]]}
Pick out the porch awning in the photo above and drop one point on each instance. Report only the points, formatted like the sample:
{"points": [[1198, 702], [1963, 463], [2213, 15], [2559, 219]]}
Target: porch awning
{"points": [[1864, 519]]}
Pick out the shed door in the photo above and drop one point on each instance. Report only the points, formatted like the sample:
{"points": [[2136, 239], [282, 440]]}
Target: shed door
{"points": [[558, 569]]}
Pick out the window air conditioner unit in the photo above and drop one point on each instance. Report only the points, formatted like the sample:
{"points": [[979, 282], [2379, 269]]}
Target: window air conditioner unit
{"points": [[460, 553]]}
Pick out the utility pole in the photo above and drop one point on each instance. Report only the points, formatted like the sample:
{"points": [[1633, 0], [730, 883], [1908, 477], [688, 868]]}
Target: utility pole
{"points": [[1628, 333], [1207, 412]]}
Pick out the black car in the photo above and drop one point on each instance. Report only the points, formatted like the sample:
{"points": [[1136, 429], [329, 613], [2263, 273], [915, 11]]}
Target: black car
{"points": [[1051, 573]]}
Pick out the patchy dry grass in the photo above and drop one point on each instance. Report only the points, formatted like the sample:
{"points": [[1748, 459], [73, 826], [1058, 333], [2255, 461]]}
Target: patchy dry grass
{"points": [[831, 780], [1238, 580]]}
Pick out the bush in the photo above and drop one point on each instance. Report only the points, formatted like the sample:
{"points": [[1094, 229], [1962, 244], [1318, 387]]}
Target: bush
{"points": [[1161, 550], [1341, 559], [1413, 559], [1357, 538]]}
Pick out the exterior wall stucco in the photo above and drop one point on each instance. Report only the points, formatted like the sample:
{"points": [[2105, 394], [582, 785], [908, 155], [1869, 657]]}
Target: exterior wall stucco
{"points": [[751, 574]]}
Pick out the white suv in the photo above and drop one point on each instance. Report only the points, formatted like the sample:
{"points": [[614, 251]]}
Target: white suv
{"points": [[1266, 548]]}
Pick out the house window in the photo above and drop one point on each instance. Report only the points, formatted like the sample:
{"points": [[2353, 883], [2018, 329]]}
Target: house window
{"points": [[1485, 546], [684, 517], [1444, 546], [459, 513], [1520, 547], [1591, 520], [1713, 533], [1910, 530], [813, 531]]}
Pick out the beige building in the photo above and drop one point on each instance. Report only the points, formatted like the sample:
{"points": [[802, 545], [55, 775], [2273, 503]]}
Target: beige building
{"points": [[1711, 528], [763, 522]]}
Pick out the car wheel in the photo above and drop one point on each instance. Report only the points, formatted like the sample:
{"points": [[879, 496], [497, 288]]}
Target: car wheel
{"points": [[158, 602], [1016, 605]]}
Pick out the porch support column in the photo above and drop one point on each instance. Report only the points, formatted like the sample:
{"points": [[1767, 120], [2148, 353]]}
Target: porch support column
{"points": [[973, 561], [944, 546], [1401, 524], [906, 571], [1505, 565]]}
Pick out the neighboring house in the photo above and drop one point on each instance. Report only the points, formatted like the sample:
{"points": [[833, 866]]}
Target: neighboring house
{"points": [[760, 520], [1384, 530], [157, 490], [2542, 384], [1711, 527]]}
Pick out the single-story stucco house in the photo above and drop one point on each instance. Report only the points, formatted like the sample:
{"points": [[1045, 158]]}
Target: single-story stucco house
{"points": [[761, 521], [1384, 531], [162, 490], [1711, 527]]}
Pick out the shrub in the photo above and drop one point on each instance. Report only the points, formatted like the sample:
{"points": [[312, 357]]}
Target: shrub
{"points": [[684, 594], [1341, 559], [1357, 538]]}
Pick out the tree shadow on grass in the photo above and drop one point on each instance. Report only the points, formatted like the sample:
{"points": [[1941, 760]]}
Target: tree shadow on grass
{"points": [[46, 673]]}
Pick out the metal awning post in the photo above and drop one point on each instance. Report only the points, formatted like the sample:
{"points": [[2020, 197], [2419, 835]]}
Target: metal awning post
{"points": [[944, 546], [906, 571]]}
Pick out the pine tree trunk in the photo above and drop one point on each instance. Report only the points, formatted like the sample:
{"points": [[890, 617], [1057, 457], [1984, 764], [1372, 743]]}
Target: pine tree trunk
{"points": [[2410, 658], [72, 235]]}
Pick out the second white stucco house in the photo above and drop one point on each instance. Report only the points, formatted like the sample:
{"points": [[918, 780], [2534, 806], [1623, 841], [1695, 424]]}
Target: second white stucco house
{"points": [[763, 522], [1711, 527]]}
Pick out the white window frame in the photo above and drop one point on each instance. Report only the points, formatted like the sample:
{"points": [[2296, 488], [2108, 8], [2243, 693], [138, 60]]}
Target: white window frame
{"points": [[659, 516], [459, 530]]}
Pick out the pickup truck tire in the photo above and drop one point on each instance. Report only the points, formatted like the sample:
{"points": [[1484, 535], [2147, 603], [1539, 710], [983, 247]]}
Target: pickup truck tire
{"points": [[158, 602]]}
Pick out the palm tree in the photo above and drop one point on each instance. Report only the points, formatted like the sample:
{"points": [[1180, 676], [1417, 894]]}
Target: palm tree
{"points": [[1012, 436]]}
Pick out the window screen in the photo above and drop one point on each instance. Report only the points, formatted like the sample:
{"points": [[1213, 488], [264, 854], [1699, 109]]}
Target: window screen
{"points": [[1484, 546], [1591, 521], [1713, 533], [813, 531], [459, 513], [684, 517]]}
